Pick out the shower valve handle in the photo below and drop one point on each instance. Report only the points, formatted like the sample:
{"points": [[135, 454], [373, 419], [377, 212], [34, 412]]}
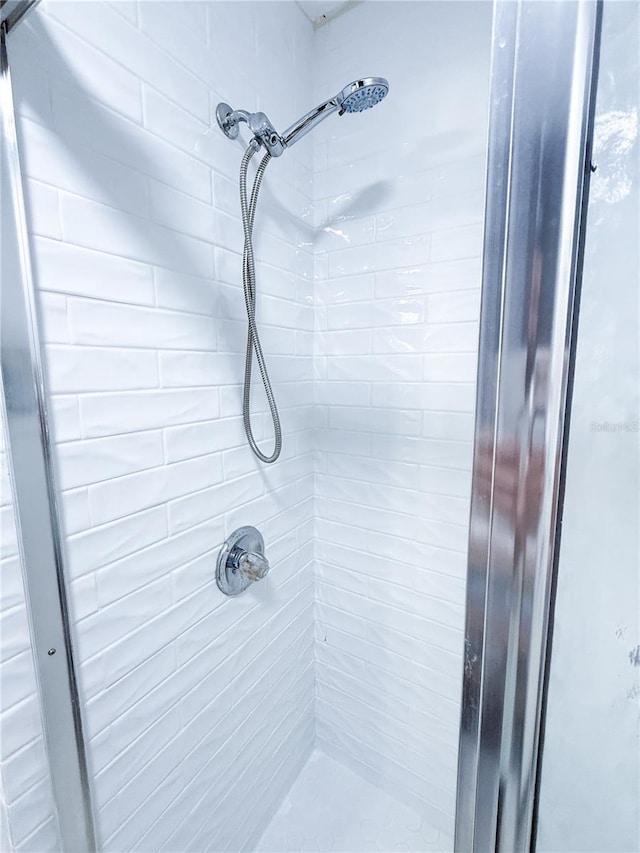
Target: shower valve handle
{"points": [[252, 565], [241, 561]]}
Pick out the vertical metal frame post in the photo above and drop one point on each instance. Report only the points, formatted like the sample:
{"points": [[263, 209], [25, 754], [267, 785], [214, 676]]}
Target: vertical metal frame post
{"points": [[35, 494], [544, 67]]}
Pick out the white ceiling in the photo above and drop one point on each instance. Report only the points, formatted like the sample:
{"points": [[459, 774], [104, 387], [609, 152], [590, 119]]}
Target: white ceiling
{"points": [[321, 11]]}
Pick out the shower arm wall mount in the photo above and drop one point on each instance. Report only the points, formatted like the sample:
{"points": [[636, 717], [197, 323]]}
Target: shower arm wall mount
{"points": [[263, 130], [259, 124]]}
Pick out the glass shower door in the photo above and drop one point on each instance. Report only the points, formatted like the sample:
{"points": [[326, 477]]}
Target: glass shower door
{"points": [[590, 781]]}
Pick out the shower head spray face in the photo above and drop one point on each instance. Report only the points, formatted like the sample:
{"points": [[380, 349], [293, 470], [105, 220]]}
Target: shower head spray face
{"points": [[362, 94], [354, 98]]}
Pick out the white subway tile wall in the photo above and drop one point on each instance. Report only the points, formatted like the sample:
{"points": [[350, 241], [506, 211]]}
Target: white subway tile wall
{"points": [[193, 702], [368, 239], [398, 208], [27, 821]]}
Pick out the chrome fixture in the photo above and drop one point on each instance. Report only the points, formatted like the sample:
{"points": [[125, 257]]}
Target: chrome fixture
{"points": [[258, 123], [241, 561], [543, 76], [248, 210], [354, 98], [34, 488]]}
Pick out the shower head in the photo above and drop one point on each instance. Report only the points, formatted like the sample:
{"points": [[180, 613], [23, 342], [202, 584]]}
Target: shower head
{"points": [[362, 94], [354, 98]]}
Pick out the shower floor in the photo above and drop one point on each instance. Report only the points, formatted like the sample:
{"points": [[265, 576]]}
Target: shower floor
{"points": [[331, 808]]}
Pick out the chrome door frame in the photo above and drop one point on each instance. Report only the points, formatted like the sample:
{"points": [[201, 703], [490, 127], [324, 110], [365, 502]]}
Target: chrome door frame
{"points": [[12, 12], [34, 491], [542, 97]]}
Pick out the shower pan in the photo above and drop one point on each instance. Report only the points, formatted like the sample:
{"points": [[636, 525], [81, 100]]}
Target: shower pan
{"points": [[347, 649]]}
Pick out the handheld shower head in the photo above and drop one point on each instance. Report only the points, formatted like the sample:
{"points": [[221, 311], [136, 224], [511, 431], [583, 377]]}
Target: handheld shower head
{"points": [[354, 98], [362, 94]]}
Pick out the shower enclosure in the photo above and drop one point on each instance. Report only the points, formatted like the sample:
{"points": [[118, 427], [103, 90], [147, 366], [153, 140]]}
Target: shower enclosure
{"points": [[352, 647]]}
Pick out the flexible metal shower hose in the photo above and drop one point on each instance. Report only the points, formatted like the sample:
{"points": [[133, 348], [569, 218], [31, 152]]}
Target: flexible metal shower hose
{"points": [[248, 209]]}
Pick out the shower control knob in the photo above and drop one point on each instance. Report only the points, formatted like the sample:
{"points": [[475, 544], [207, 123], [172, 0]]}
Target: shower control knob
{"points": [[253, 566], [241, 561]]}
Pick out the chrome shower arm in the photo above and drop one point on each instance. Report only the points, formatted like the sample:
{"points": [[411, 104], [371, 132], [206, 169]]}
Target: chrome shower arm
{"points": [[236, 116], [301, 127]]}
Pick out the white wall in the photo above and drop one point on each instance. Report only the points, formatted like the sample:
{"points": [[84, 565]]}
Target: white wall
{"points": [[193, 702], [27, 821], [590, 792], [398, 201]]}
